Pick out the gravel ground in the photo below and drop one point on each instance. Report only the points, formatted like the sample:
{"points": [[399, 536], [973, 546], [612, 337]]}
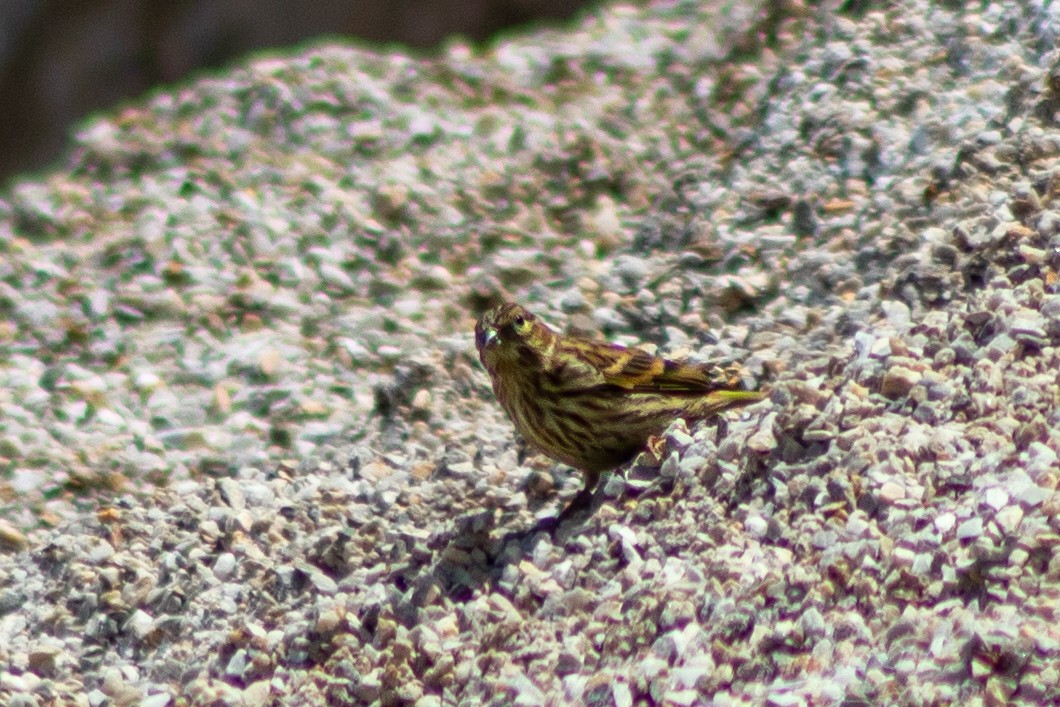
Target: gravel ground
{"points": [[247, 454]]}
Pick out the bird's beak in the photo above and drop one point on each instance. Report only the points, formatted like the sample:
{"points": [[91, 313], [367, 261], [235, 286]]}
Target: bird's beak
{"points": [[486, 338]]}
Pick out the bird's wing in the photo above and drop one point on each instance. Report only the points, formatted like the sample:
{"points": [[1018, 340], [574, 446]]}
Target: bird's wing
{"points": [[632, 369], [583, 365], [664, 376], [639, 371]]}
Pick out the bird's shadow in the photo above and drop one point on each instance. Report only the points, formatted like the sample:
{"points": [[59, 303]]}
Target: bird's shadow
{"points": [[472, 553]]}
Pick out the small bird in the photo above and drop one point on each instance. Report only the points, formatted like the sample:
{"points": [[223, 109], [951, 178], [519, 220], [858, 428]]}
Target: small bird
{"points": [[589, 404]]}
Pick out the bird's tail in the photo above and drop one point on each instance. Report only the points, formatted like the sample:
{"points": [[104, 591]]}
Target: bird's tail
{"points": [[718, 400]]}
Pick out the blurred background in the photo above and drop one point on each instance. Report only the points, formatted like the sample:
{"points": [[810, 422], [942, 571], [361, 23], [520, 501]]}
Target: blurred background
{"points": [[61, 60]]}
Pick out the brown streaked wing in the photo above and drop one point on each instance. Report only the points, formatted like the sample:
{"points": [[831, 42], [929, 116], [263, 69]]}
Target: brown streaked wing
{"points": [[634, 369], [570, 371], [617, 365], [678, 377]]}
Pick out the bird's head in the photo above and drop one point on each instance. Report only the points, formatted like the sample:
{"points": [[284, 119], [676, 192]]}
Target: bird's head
{"points": [[508, 334]]}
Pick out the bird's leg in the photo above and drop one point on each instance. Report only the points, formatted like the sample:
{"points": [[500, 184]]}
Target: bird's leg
{"points": [[583, 498]]}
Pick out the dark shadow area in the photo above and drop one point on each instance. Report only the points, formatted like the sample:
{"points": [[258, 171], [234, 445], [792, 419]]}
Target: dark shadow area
{"points": [[61, 61]]}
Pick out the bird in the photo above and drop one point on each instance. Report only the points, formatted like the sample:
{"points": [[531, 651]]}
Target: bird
{"points": [[589, 404]]}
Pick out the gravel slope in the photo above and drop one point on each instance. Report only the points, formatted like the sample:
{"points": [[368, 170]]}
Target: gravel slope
{"points": [[247, 455]]}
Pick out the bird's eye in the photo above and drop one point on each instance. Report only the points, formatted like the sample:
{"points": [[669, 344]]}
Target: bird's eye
{"points": [[521, 324]]}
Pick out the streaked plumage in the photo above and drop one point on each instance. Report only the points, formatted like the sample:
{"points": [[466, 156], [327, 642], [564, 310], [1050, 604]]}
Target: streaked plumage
{"points": [[588, 404]]}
